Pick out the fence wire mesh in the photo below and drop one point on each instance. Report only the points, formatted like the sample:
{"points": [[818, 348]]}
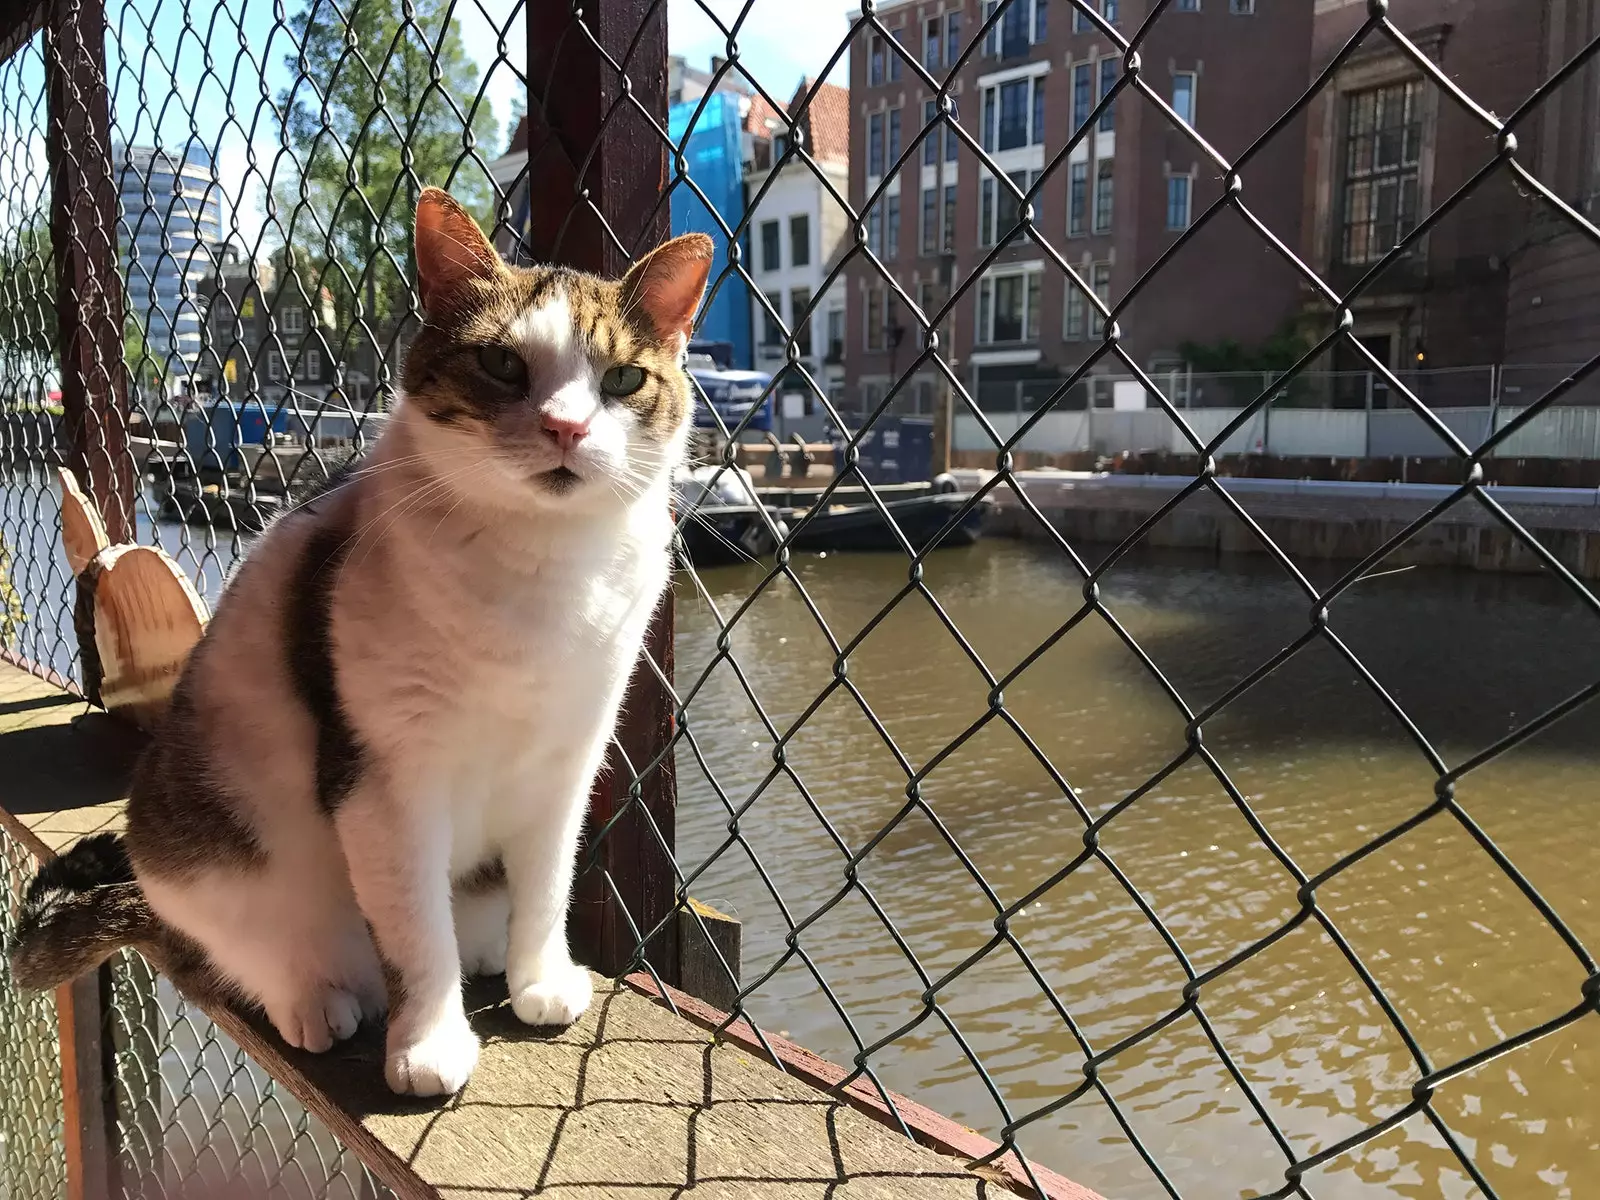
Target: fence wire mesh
{"points": [[1037, 947]]}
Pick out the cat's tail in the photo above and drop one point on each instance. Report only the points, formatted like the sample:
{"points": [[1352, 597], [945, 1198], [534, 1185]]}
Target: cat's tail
{"points": [[80, 909]]}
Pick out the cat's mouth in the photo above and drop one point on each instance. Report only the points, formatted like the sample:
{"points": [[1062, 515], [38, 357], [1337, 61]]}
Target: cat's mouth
{"points": [[560, 479]]}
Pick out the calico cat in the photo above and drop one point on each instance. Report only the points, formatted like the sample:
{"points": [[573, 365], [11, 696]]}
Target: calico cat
{"points": [[373, 772]]}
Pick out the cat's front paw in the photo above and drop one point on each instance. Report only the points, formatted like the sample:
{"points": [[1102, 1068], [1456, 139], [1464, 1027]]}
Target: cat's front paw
{"points": [[557, 996], [432, 1062]]}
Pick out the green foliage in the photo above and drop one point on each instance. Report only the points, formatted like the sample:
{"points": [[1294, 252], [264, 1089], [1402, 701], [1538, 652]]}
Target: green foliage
{"points": [[12, 615], [377, 118], [27, 293], [1278, 353]]}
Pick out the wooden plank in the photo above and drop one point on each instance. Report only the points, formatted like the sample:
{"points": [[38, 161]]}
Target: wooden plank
{"points": [[621, 161], [929, 1128], [88, 1103], [83, 238]]}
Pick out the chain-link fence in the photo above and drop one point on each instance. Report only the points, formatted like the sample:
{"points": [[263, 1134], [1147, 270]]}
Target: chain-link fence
{"points": [[1161, 876]]}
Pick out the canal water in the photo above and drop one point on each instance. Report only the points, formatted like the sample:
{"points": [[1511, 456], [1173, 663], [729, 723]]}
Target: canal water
{"points": [[1460, 953]]}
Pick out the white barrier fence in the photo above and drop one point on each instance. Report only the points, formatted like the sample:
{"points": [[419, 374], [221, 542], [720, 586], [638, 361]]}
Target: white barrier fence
{"points": [[1561, 432]]}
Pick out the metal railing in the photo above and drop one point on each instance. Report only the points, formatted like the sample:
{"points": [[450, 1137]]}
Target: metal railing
{"points": [[334, 117]]}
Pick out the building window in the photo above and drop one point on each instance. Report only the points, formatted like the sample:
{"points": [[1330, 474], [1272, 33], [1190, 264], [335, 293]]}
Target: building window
{"points": [[1187, 6], [1008, 307], [1082, 95], [875, 60], [894, 135], [1020, 27], [292, 321], [1076, 324], [952, 37], [932, 43], [772, 321], [274, 366], [875, 145], [799, 301], [1082, 24], [1078, 199], [949, 218], [875, 229], [891, 228], [1183, 96], [1242, 8], [930, 220], [930, 137], [800, 240], [952, 144], [874, 330], [835, 334], [896, 62], [1104, 194], [1013, 114], [999, 209], [1108, 80], [1101, 281], [1178, 191], [771, 249], [1382, 155], [313, 362]]}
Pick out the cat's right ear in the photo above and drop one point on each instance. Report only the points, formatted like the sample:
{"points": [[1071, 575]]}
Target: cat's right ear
{"points": [[451, 249]]}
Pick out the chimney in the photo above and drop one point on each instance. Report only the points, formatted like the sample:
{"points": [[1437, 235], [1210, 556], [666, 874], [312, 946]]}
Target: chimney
{"points": [[717, 63]]}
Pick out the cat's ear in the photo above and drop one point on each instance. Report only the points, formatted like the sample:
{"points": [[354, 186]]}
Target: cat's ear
{"points": [[664, 287], [451, 249]]}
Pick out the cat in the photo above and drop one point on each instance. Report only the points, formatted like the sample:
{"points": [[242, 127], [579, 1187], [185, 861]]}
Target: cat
{"points": [[373, 771]]}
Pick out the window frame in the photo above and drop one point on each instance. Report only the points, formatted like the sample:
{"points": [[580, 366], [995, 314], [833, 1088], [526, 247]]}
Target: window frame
{"points": [[292, 320], [1107, 85], [1373, 178], [1078, 199], [933, 42], [876, 123], [1032, 295], [1193, 78], [800, 329], [1105, 199], [803, 244], [772, 326], [1187, 180], [773, 261]]}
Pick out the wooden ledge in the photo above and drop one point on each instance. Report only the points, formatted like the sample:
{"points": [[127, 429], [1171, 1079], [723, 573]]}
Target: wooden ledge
{"points": [[633, 1101]]}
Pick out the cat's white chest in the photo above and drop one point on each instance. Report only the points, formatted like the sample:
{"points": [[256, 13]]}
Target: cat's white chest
{"points": [[530, 730]]}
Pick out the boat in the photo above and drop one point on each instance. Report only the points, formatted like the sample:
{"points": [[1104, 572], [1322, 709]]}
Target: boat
{"points": [[729, 526]]}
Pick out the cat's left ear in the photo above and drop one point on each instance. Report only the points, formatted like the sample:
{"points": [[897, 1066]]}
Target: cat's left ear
{"points": [[451, 249], [665, 286]]}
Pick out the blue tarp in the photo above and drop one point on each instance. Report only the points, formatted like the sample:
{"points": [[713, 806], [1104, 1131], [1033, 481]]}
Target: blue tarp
{"points": [[713, 160]]}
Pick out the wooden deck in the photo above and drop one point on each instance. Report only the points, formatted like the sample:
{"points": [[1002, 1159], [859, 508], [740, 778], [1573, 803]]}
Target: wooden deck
{"points": [[632, 1102]]}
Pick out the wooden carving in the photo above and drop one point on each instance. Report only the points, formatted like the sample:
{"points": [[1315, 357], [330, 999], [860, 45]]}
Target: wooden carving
{"points": [[137, 617]]}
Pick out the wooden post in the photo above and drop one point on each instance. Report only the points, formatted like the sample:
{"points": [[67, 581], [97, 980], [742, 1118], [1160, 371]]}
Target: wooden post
{"points": [[88, 1103], [83, 237], [595, 202]]}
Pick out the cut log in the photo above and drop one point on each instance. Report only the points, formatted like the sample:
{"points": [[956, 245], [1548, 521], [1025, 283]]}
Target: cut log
{"points": [[147, 617]]}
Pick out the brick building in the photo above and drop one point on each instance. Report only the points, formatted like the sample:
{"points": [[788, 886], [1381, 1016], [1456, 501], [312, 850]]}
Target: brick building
{"points": [[1123, 197], [1502, 279]]}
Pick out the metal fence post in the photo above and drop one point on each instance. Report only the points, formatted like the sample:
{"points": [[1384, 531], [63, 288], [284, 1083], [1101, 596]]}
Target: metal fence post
{"points": [[89, 1116], [598, 168], [83, 237]]}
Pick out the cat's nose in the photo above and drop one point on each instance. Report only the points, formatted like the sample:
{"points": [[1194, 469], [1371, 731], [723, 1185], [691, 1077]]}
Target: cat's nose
{"points": [[566, 432]]}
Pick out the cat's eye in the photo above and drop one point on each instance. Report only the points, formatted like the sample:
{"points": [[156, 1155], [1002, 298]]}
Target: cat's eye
{"points": [[502, 364], [622, 380]]}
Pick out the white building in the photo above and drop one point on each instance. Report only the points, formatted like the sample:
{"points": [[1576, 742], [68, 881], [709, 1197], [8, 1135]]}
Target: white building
{"points": [[797, 233]]}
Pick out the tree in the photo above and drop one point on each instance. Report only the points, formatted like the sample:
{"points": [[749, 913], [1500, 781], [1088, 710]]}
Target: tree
{"points": [[28, 327], [375, 114]]}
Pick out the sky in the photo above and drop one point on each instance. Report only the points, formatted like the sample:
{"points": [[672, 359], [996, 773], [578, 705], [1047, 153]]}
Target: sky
{"points": [[215, 61]]}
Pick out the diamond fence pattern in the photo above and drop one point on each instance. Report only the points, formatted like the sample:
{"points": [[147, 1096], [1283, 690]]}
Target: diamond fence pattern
{"points": [[334, 117]]}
